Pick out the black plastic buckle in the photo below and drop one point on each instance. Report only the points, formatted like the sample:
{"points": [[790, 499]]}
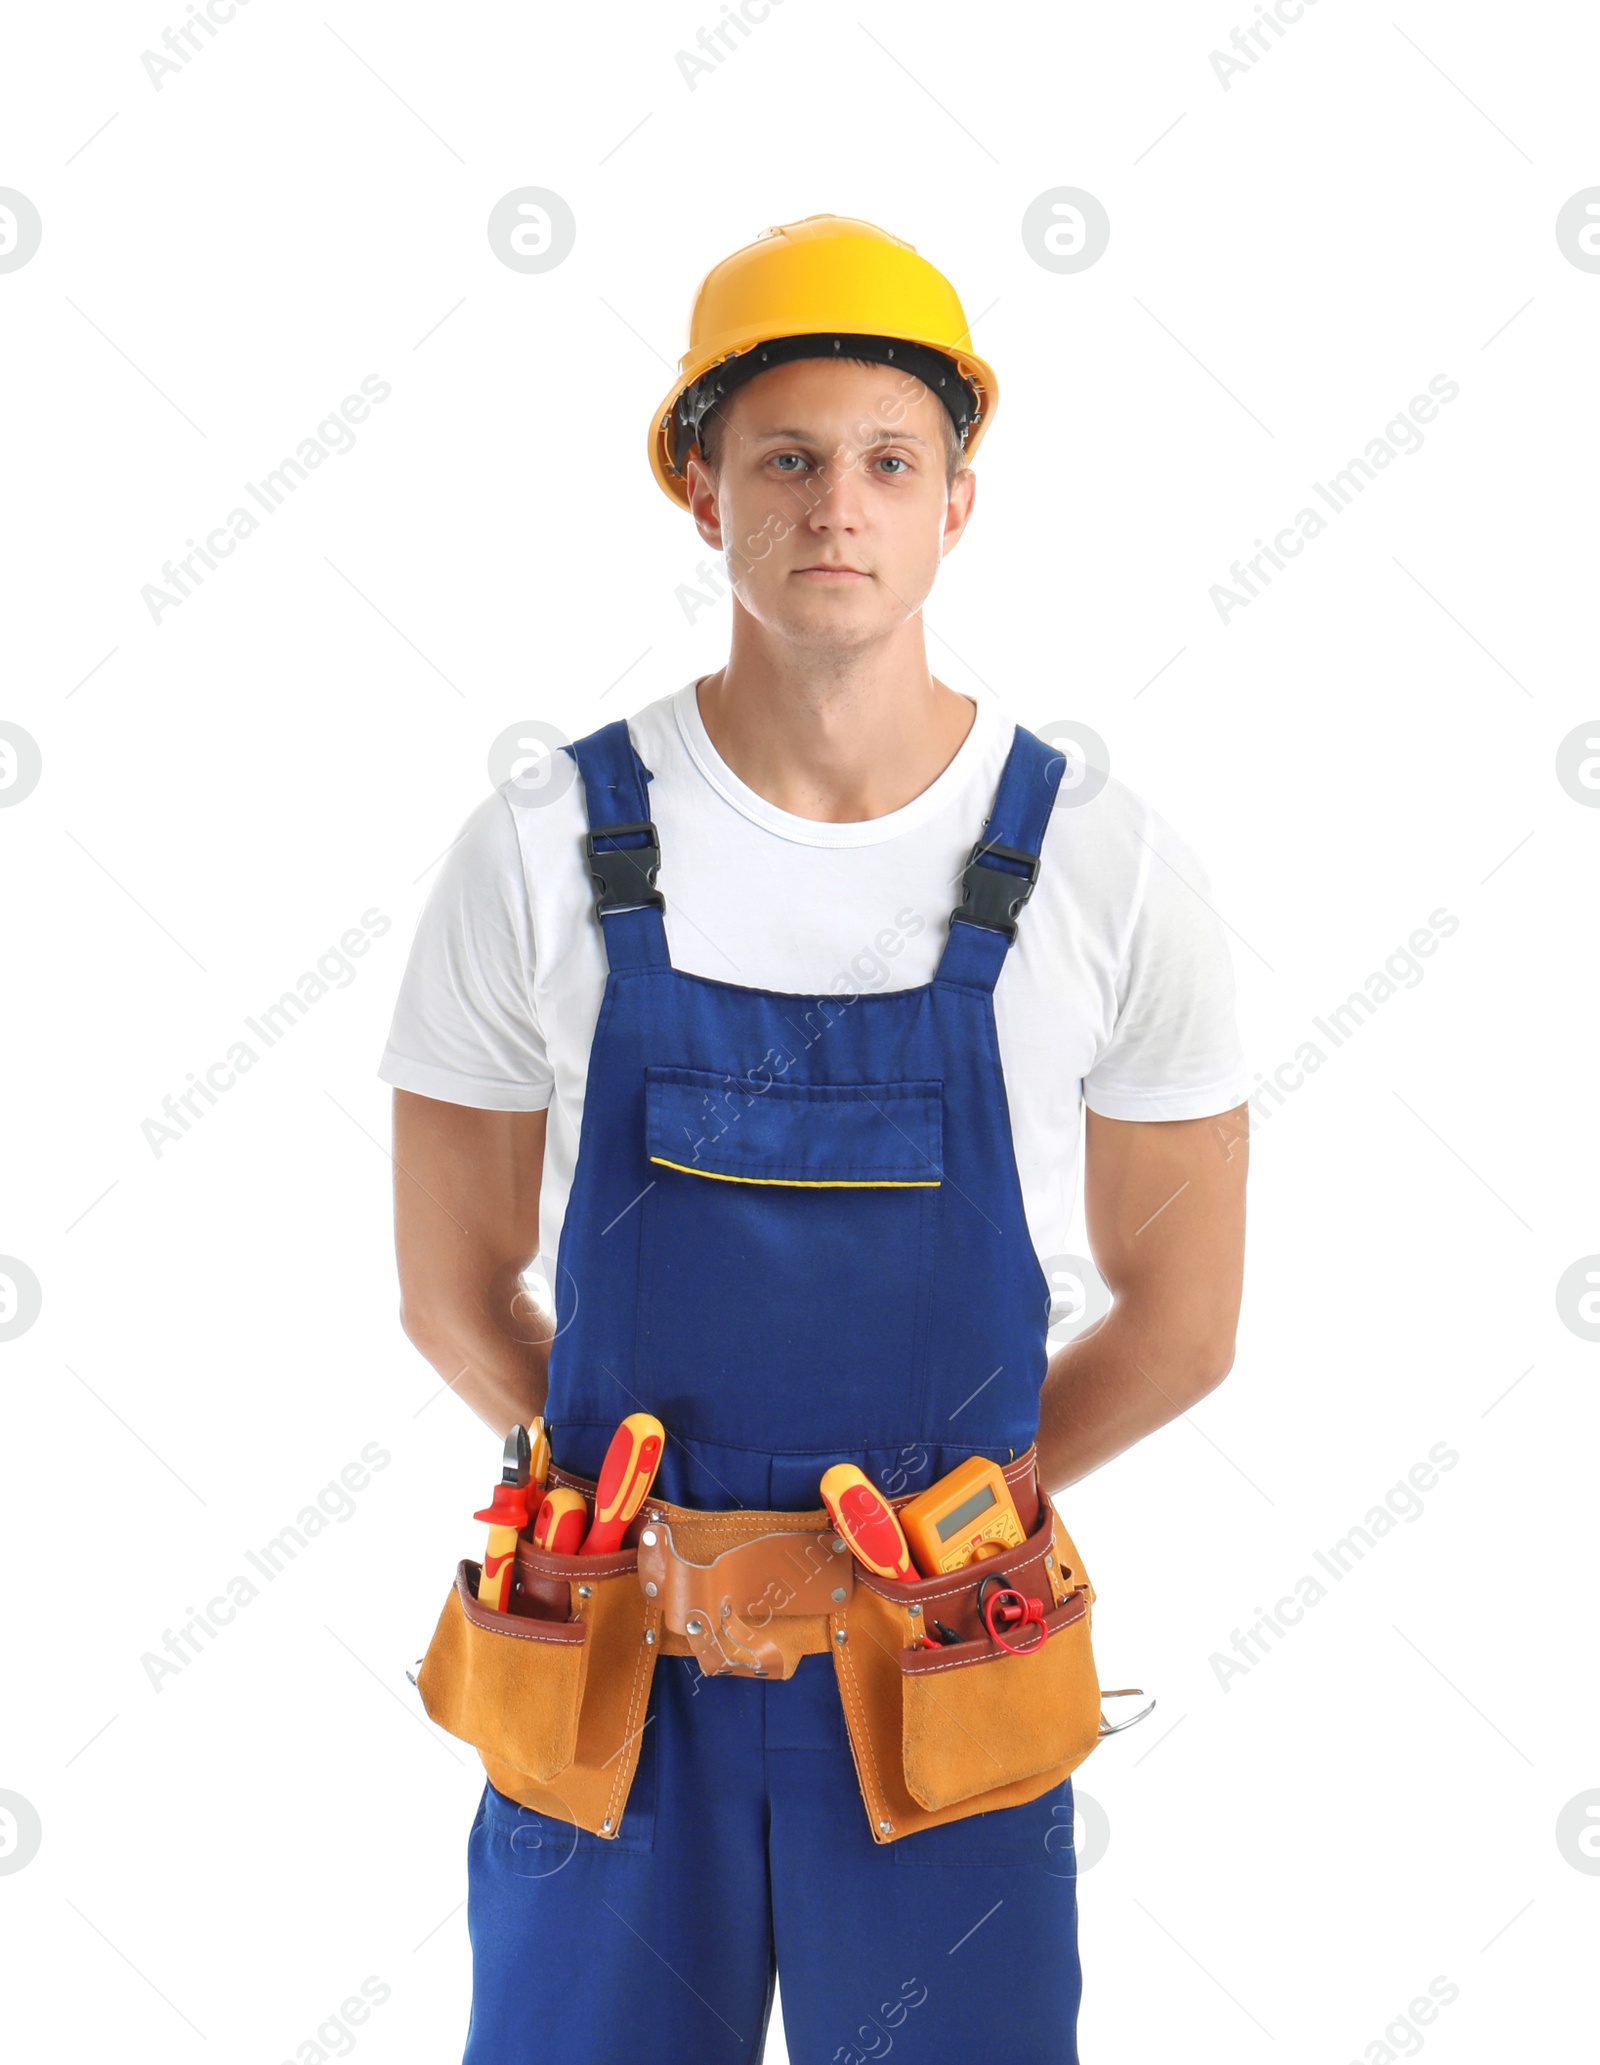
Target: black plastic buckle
{"points": [[625, 876], [991, 896]]}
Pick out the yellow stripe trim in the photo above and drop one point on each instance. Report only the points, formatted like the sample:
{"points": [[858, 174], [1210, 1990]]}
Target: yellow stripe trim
{"points": [[796, 1182]]}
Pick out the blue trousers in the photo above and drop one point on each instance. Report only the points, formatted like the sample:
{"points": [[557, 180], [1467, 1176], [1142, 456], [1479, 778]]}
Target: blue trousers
{"points": [[745, 1854]]}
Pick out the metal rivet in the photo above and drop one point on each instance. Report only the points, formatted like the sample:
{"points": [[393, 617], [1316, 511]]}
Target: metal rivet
{"points": [[915, 1606], [886, 1826], [1049, 1559], [585, 1591], [695, 1627], [838, 1634], [650, 1587], [649, 1537], [607, 1823], [838, 1591], [649, 1634], [838, 1545]]}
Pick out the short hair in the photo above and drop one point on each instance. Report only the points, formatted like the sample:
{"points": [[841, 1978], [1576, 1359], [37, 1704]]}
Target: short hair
{"points": [[708, 441]]}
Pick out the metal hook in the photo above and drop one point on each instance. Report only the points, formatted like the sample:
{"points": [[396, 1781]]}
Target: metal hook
{"points": [[1125, 1692]]}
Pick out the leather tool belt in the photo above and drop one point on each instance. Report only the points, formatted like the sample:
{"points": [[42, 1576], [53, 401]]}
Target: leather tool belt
{"points": [[553, 1695]]}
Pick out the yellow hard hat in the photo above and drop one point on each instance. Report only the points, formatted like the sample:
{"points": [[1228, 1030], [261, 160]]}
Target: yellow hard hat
{"points": [[808, 289]]}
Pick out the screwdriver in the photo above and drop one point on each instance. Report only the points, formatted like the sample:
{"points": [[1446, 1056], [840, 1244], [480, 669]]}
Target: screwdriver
{"points": [[625, 1478], [539, 1458], [867, 1521], [561, 1522], [507, 1515]]}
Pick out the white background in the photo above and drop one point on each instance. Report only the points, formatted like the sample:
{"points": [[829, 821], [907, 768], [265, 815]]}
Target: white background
{"points": [[1292, 257]]}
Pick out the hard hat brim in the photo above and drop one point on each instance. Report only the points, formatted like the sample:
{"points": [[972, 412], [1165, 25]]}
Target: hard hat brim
{"points": [[975, 371]]}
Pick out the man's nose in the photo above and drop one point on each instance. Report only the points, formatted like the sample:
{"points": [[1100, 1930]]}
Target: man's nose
{"points": [[839, 506]]}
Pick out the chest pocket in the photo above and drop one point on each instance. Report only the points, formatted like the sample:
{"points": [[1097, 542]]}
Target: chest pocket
{"points": [[789, 1233]]}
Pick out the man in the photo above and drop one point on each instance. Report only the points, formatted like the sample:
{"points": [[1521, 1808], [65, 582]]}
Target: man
{"points": [[885, 1097]]}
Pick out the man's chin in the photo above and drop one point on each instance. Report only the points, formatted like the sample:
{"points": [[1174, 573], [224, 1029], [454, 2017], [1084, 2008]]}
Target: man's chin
{"points": [[857, 611]]}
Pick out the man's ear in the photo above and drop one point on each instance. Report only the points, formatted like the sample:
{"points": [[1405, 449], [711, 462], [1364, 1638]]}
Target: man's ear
{"points": [[958, 508], [702, 487]]}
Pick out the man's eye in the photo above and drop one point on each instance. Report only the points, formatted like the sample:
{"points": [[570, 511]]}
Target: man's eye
{"points": [[891, 459], [783, 459]]}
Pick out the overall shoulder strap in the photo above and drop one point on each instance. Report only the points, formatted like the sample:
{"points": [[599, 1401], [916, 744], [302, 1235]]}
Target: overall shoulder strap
{"points": [[1004, 865], [621, 849]]}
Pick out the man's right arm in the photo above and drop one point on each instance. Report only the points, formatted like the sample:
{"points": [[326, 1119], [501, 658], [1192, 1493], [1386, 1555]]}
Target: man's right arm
{"points": [[466, 1218]]}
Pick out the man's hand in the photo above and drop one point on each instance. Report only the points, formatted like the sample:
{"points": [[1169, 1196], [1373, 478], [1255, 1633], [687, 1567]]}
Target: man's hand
{"points": [[1164, 1201], [466, 1224]]}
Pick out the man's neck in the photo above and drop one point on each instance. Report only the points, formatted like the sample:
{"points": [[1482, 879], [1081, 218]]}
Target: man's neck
{"points": [[841, 740]]}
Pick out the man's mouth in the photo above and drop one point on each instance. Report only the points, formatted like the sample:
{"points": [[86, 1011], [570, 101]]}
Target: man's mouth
{"points": [[824, 572]]}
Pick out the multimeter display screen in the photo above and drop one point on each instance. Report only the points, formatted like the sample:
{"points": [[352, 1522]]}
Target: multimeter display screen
{"points": [[969, 1509]]}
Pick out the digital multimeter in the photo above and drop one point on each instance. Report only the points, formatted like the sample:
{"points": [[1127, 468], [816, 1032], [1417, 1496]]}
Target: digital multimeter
{"points": [[967, 1516]]}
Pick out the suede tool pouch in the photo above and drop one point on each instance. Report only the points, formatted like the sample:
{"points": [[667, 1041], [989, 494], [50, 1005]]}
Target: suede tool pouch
{"points": [[970, 1719], [553, 1695], [942, 1732]]}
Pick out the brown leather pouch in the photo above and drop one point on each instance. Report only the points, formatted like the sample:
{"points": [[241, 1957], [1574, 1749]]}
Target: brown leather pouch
{"points": [[940, 1733], [552, 1696]]}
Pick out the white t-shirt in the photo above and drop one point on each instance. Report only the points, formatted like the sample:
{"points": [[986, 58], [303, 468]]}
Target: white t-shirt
{"points": [[1118, 990]]}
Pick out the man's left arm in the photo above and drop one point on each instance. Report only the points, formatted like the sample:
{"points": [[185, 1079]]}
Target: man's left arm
{"points": [[1164, 1205]]}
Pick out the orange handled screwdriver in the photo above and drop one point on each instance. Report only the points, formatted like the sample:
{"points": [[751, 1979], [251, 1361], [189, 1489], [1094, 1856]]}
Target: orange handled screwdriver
{"points": [[625, 1478], [868, 1522], [562, 1521], [507, 1515]]}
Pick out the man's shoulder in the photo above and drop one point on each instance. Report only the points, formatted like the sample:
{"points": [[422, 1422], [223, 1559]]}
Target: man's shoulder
{"points": [[544, 805], [653, 728], [1115, 853], [1102, 820]]}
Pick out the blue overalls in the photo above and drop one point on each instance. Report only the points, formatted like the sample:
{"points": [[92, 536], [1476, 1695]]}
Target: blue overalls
{"points": [[868, 1293]]}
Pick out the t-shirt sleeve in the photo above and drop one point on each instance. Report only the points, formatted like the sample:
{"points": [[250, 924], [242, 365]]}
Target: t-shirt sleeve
{"points": [[464, 1028], [1174, 1050]]}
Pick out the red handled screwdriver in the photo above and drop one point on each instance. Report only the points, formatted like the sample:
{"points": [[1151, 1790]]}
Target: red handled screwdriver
{"points": [[868, 1523], [625, 1478]]}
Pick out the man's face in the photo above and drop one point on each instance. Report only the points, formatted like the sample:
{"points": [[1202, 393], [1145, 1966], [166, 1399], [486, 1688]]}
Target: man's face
{"points": [[830, 500]]}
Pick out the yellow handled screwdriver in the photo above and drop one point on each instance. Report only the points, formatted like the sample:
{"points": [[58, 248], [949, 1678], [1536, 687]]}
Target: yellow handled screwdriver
{"points": [[562, 1521], [538, 1455]]}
